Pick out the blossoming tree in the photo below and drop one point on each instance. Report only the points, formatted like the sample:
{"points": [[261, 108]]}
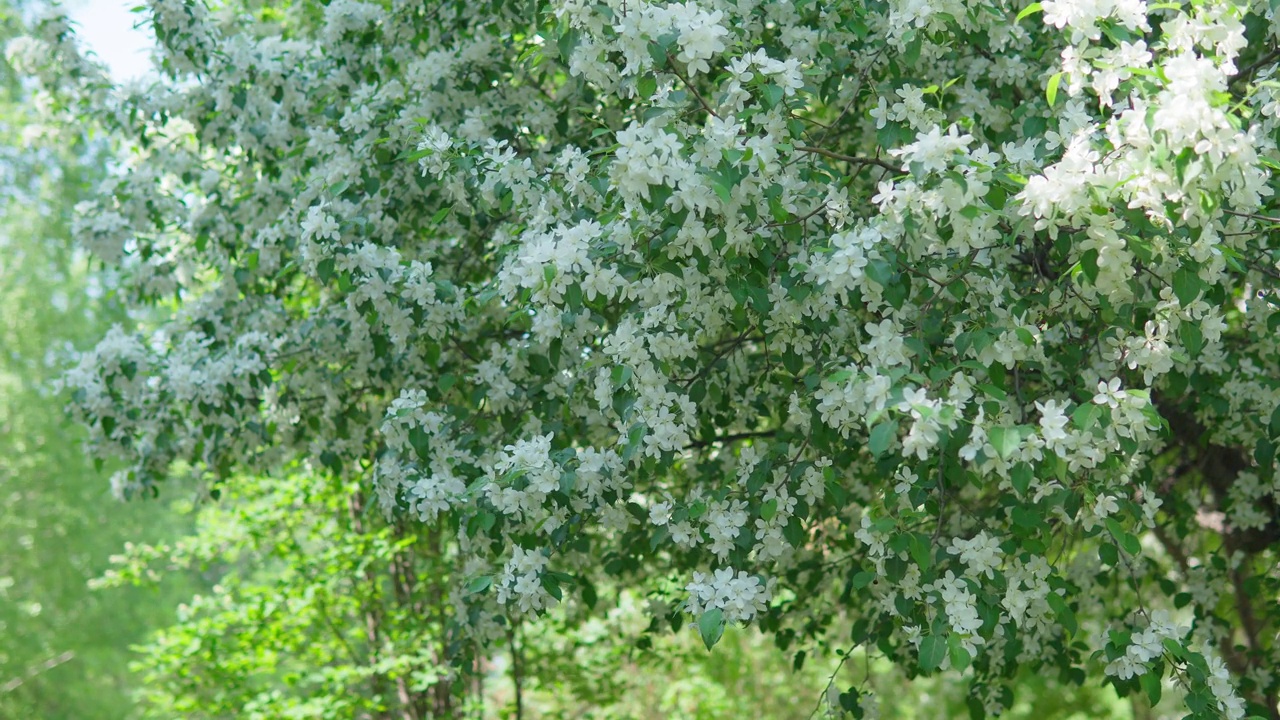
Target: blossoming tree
{"points": [[956, 320]]}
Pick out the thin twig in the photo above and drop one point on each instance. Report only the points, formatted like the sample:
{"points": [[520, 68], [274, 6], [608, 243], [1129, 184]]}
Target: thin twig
{"points": [[856, 159], [1249, 70], [35, 670], [831, 680], [672, 64], [711, 365]]}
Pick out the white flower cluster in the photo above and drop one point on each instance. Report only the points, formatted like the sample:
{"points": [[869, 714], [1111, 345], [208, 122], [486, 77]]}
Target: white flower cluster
{"points": [[981, 554], [843, 269], [1082, 16], [406, 413], [1026, 597], [1228, 701], [699, 35], [436, 143], [1146, 646], [739, 595], [785, 74], [548, 262], [521, 581], [871, 534], [649, 155], [524, 476], [724, 522], [959, 602], [935, 150]]}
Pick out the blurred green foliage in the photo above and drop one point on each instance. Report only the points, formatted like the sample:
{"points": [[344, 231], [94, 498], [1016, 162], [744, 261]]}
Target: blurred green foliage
{"points": [[63, 647], [320, 610], [611, 667]]}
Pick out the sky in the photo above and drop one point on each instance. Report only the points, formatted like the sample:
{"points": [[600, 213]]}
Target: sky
{"points": [[106, 28]]}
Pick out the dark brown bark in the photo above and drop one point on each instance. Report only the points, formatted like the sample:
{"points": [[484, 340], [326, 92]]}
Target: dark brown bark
{"points": [[1217, 468]]}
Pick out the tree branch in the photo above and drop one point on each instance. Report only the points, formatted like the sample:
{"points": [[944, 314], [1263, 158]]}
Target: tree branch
{"points": [[672, 64], [855, 159], [35, 670]]}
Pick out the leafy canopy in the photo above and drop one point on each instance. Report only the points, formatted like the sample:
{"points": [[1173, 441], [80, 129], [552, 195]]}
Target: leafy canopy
{"points": [[955, 320]]}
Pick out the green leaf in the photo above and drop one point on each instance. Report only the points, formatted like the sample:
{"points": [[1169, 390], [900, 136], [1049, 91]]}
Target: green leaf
{"points": [[840, 376], [959, 656], [1186, 285], [573, 297], [659, 536], [620, 375], [646, 86], [1274, 427], [921, 549], [1027, 12], [1191, 336], [1127, 540], [421, 442], [993, 391], [324, 269], [1051, 92], [880, 272], [1114, 527], [1264, 452], [932, 650], [1065, 614], [446, 382], [711, 627], [881, 436], [862, 579], [480, 584], [539, 364], [793, 362], [551, 584], [772, 95], [915, 43], [1025, 517], [635, 439], [1021, 476], [996, 197], [1174, 647], [1108, 554], [794, 532], [567, 43], [1005, 440], [723, 187], [1086, 416], [1089, 265], [1151, 684], [768, 510]]}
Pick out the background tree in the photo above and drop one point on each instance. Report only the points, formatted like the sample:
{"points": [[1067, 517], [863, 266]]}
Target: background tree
{"points": [[318, 611], [63, 648]]}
